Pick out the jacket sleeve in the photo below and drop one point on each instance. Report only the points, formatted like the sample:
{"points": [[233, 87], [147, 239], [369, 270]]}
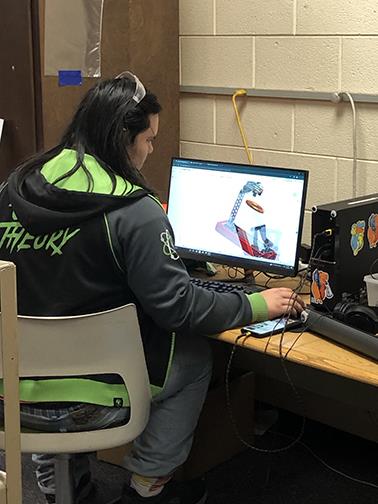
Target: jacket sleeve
{"points": [[143, 240]]}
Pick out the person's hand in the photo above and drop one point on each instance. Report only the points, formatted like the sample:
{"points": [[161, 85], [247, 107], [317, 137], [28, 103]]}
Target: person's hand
{"points": [[281, 300]]}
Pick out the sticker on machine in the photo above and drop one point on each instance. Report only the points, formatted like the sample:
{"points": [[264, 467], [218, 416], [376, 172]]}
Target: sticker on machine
{"points": [[320, 288], [372, 230], [357, 231]]}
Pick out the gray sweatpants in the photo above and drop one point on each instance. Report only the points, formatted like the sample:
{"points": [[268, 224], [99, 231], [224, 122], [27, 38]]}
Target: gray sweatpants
{"points": [[165, 443]]}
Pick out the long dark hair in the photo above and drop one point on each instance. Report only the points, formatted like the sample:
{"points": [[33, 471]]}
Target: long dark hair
{"points": [[104, 125]]}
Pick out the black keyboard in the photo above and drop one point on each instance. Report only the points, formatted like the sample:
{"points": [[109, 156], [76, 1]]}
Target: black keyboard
{"points": [[219, 286]]}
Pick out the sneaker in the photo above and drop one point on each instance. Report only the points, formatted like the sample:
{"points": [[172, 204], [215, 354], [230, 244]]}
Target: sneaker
{"points": [[187, 492]]}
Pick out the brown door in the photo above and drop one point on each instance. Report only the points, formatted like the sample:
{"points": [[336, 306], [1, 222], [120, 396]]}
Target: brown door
{"points": [[17, 88]]}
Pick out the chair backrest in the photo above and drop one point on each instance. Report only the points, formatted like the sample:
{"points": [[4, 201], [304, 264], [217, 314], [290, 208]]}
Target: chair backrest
{"points": [[10, 483], [101, 343]]}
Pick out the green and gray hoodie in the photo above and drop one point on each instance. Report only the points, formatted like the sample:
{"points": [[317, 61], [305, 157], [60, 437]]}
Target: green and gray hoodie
{"points": [[81, 247]]}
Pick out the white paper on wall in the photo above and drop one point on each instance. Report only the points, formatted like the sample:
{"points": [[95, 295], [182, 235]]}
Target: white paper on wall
{"points": [[73, 36], [1, 127]]}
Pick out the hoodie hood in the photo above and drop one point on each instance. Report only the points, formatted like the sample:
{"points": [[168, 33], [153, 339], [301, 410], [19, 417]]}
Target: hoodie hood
{"points": [[43, 205]]}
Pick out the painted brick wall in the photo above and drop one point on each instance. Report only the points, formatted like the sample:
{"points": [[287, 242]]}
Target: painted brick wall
{"points": [[313, 45]]}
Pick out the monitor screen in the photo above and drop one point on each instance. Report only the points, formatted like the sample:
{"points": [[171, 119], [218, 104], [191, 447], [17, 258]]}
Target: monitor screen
{"points": [[239, 215]]}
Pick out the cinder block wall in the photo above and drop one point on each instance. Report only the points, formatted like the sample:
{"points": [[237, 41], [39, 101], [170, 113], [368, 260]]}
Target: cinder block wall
{"points": [[313, 45]]}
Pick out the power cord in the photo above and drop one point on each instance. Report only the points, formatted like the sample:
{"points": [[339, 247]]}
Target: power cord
{"points": [[232, 418], [233, 272], [329, 467]]}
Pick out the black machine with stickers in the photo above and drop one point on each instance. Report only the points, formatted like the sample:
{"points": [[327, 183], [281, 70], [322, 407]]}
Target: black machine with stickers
{"points": [[344, 250]]}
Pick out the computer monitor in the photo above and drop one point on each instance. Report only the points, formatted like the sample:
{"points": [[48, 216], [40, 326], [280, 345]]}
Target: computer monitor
{"points": [[238, 215]]}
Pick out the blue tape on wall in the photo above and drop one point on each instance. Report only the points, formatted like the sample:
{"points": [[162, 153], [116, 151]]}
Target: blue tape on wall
{"points": [[70, 77]]}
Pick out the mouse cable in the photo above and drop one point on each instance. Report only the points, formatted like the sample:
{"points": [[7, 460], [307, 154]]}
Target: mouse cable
{"points": [[232, 418]]}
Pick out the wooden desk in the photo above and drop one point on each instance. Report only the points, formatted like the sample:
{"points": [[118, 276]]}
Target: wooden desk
{"points": [[338, 386], [313, 351]]}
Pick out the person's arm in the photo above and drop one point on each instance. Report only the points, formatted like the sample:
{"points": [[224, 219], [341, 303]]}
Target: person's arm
{"points": [[162, 285], [159, 280]]}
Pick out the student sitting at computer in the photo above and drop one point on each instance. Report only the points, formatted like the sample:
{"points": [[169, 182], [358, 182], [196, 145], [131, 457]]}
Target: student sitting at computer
{"points": [[88, 234]]}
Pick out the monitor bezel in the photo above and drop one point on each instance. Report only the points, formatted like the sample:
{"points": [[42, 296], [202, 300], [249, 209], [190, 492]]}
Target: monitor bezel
{"points": [[248, 264]]}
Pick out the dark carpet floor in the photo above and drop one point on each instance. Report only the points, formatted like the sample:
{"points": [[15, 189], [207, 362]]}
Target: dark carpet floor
{"points": [[294, 476]]}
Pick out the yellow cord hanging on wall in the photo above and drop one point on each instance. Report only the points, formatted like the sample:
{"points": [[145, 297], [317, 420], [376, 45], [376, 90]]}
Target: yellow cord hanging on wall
{"points": [[241, 92]]}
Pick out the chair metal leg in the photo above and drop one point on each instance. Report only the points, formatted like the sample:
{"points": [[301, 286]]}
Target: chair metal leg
{"points": [[64, 487]]}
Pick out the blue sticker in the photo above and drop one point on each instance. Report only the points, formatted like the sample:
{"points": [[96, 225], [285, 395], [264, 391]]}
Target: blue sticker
{"points": [[70, 77]]}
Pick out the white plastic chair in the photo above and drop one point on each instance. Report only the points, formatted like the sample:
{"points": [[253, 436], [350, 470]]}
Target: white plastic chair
{"points": [[102, 343], [10, 482]]}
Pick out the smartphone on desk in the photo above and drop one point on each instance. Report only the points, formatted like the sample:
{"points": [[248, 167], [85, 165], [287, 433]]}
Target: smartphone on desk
{"points": [[270, 327]]}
